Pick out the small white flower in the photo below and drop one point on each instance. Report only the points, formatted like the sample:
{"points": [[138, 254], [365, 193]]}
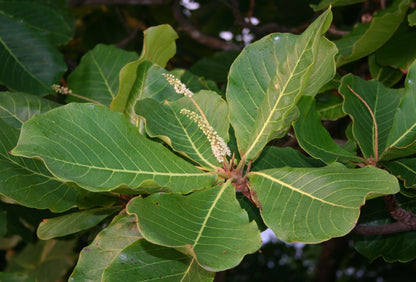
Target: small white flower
{"points": [[180, 88], [61, 89], [218, 146]]}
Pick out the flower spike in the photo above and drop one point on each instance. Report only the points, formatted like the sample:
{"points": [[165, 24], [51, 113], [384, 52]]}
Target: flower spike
{"points": [[180, 88]]}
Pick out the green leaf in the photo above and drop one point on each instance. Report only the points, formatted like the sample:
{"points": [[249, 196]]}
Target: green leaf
{"points": [[96, 77], [40, 18], [329, 106], [268, 78], [73, 222], [275, 157], [143, 261], [98, 255], [412, 18], [392, 247], [395, 53], [314, 138], [364, 39], [100, 150], [401, 140], [35, 62], [312, 205], [209, 225], [158, 48], [44, 261], [18, 107], [179, 131], [387, 75], [196, 83], [371, 106], [27, 181], [334, 3], [405, 169]]}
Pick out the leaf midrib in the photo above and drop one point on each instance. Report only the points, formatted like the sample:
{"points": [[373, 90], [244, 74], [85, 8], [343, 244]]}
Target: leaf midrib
{"points": [[299, 191]]}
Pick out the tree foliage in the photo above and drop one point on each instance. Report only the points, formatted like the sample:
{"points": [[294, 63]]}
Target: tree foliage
{"points": [[169, 165]]}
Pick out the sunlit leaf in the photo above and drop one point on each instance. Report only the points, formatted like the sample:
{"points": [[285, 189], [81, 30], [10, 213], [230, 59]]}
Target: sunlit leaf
{"points": [[106, 151], [208, 224], [315, 204], [268, 78]]}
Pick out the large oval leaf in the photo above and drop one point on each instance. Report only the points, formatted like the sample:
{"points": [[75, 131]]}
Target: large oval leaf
{"points": [[143, 261], [209, 224], [98, 255], [267, 79], [315, 204], [100, 150]]}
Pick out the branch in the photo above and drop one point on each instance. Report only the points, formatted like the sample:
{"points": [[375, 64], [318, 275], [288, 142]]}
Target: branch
{"points": [[210, 41], [77, 3], [406, 220]]}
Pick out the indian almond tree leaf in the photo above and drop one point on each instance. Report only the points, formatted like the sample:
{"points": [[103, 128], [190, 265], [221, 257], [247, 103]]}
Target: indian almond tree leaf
{"points": [[27, 181], [396, 54], [329, 106], [268, 78], [314, 138], [371, 105], [404, 169], [312, 205], [209, 224], [100, 150], [334, 3], [158, 48], [96, 77], [402, 138], [144, 261], [45, 260], [275, 157], [72, 223], [364, 39], [40, 18], [394, 247], [98, 255], [20, 50], [182, 133], [389, 76]]}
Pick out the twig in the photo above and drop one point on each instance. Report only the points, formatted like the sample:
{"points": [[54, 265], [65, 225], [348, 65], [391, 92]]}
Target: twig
{"points": [[406, 220], [77, 3], [186, 26], [129, 38]]}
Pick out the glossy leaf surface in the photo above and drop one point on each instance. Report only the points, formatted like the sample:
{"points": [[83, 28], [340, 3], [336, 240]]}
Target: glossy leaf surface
{"points": [[314, 204], [404, 169], [209, 225], [100, 150], [267, 79]]}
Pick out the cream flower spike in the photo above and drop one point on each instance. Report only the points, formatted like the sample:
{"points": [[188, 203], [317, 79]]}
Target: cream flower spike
{"points": [[180, 88], [61, 89], [218, 146]]}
